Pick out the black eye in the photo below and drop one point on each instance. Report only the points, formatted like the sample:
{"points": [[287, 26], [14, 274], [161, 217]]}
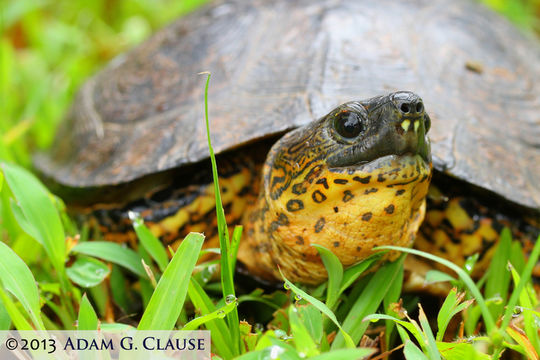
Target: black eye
{"points": [[348, 124]]}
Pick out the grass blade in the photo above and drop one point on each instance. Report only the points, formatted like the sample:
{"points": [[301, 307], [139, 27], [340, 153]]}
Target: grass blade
{"points": [[351, 274], [529, 317], [216, 314], [218, 327], [35, 204], [235, 244], [168, 298], [524, 278], [450, 307], [16, 277], [87, 272], [313, 321], [488, 318], [16, 316], [431, 345], [498, 278], [322, 308], [303, 341], [151, 244], [412, 352], [523, 340], [368, 302], [335, 274], [227, 271], [87, 319], [114, 253], [341, 354], [5, 321], [392, 296]]}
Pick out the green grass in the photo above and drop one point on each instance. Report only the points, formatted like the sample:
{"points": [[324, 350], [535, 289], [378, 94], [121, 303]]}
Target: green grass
{"points": [[50, 278], [341, 308]]}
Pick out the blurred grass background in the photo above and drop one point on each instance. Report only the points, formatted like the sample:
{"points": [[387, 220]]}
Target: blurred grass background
{"points": [[49, 47]]}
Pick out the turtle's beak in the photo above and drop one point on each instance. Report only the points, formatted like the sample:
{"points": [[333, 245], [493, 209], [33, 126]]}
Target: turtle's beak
{"points": [[411, 124]]}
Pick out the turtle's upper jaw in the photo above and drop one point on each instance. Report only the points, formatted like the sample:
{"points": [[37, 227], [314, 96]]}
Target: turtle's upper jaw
{"points": [[411, 126], [395, 124]]}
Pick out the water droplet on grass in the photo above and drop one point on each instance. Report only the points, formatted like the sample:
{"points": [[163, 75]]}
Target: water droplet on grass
{"points": [[230, 298], [286, 286]]}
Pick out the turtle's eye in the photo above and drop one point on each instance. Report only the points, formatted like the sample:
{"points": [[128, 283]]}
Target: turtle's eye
{"points": [[348, 124], [427, 122]]}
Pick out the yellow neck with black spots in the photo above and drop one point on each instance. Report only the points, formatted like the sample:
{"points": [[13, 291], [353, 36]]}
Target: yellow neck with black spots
{"points": [[349, 214]]}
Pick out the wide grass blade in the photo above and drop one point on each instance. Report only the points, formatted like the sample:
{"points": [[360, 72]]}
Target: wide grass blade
{"points": [[303, 341], [461, 351], [498, 278], [114, 253], [87, 319], [16, 316], [87, 272], [412, 352], [168, 298], [16, 277], [335, 274], [5, 321], [313, 321], [39, 217]]}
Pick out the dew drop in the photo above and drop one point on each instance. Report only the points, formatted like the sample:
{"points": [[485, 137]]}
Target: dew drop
{"points": [[286, 286], [221, 314], [275, 351], [230, 299], [133, 215]]}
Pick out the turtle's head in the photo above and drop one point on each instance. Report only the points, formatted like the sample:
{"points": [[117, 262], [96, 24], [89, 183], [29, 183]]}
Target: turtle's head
{"points": [[364, 131], [355, 179]]}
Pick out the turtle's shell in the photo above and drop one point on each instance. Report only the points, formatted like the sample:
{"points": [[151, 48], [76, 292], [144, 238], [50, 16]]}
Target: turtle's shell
{"points": [[279, 64]]}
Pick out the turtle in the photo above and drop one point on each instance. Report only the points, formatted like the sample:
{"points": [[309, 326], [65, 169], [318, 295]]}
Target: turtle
{"points": [[319, 113]]}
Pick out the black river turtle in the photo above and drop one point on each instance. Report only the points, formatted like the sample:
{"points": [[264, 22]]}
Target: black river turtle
{"points": [[349, 176]]}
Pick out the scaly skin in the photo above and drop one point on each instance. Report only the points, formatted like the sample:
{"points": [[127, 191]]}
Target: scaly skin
{"points": [[349, 207], [346, 213]]}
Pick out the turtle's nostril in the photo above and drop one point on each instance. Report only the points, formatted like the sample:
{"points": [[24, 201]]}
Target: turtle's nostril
{"points": [[409, 104]]}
